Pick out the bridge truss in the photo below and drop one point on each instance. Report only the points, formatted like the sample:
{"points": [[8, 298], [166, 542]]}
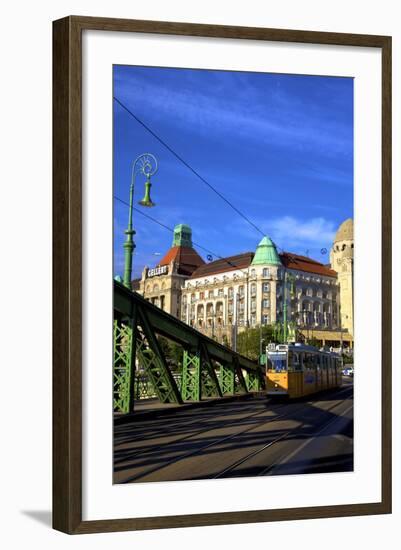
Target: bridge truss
{"points": [[209, 369]]}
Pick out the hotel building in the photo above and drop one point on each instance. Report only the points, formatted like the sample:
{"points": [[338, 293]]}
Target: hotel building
{"points": [[251, 289]]}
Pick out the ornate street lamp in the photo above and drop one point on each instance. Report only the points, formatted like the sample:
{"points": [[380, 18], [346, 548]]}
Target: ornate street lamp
{"points": [[145, 164]]}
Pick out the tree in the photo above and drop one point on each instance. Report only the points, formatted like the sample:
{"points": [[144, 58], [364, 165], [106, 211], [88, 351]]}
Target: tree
{"points": [[249, 340], [172, 351]]}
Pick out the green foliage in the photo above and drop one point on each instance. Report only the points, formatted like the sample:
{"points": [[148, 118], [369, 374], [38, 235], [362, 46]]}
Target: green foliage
{"points": [[173, 353], [248, 342], [314, 342]]}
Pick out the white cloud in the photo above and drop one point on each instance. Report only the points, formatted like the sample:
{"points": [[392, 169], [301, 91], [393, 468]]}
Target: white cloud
{"points": [[314, 231]]}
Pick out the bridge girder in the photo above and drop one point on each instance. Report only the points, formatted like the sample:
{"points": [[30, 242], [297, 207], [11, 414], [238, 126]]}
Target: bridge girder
{"points": [[200, 355]]}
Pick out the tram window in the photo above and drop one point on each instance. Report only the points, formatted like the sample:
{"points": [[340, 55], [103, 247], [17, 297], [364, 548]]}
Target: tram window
{"points": [[294, 361], [308, 361], [277, 362]]}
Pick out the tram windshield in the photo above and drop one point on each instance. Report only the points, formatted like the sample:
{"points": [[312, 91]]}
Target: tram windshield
{"points": [[277, 362]]}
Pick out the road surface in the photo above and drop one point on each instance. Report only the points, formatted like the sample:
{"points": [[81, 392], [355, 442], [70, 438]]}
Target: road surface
{"points": [[243, 438]]}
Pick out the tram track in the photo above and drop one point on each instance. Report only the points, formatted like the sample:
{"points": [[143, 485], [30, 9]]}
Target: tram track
{"points": [[208, 419], [290, 412], [285, 435], [201, 449], [205, 418]]}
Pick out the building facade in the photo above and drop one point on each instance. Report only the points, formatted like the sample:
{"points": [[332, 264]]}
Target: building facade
{"points": [[162, 285], [264, 287], [254, 289]]}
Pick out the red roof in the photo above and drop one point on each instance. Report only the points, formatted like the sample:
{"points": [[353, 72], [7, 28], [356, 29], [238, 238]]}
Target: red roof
{"points": [[240, 261], [187, 258], [303, 263], [243, 261]]}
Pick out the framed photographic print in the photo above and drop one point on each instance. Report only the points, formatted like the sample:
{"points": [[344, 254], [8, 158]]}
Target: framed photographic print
{"points": [[222, 275]]}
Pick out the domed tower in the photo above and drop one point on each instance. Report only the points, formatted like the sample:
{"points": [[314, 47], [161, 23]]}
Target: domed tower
{"points": [[342, 261]]}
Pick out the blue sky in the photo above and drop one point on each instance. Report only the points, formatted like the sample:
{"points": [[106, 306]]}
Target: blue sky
{"points": [[279, 147]]}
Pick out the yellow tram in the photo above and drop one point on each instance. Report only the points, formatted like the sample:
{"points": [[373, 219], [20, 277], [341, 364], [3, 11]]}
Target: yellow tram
{"points": [[295, 370]]}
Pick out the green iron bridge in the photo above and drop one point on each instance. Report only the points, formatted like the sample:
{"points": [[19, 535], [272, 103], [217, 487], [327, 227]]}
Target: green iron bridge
{"points": [[209, 369]]}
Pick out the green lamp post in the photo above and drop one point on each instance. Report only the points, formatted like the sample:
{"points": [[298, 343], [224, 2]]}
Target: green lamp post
{"points": [[288, 278], [145, 164]]}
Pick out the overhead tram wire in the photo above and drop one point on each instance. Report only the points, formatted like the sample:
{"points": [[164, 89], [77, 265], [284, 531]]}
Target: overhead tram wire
{"points": [[185, 163], [172, 231]]}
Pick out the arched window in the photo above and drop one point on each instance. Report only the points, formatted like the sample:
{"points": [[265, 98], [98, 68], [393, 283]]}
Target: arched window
{"points": [[266, 272]]}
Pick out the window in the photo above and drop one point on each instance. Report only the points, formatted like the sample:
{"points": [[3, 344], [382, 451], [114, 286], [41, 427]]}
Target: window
{"points": [[265, 319], [241, 291], [155, 288], [266, 287], [253, 319], [193, 297], [253, 289], [201, 295], [309, 361], [294, 362], [265, 303], [230, 292], [309, 292], [210, 294], [221, 292], [253, 273], [266, 272], [253, 305]]}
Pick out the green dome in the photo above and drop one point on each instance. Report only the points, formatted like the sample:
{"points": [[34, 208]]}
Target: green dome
{"points": [[266, 253]]}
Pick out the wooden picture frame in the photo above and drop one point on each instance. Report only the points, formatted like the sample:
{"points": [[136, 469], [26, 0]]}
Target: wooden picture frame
{"points": [[67, 274]]}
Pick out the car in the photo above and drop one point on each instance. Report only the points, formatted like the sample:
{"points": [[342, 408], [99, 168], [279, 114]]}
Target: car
{"points": [[348, 371]]}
